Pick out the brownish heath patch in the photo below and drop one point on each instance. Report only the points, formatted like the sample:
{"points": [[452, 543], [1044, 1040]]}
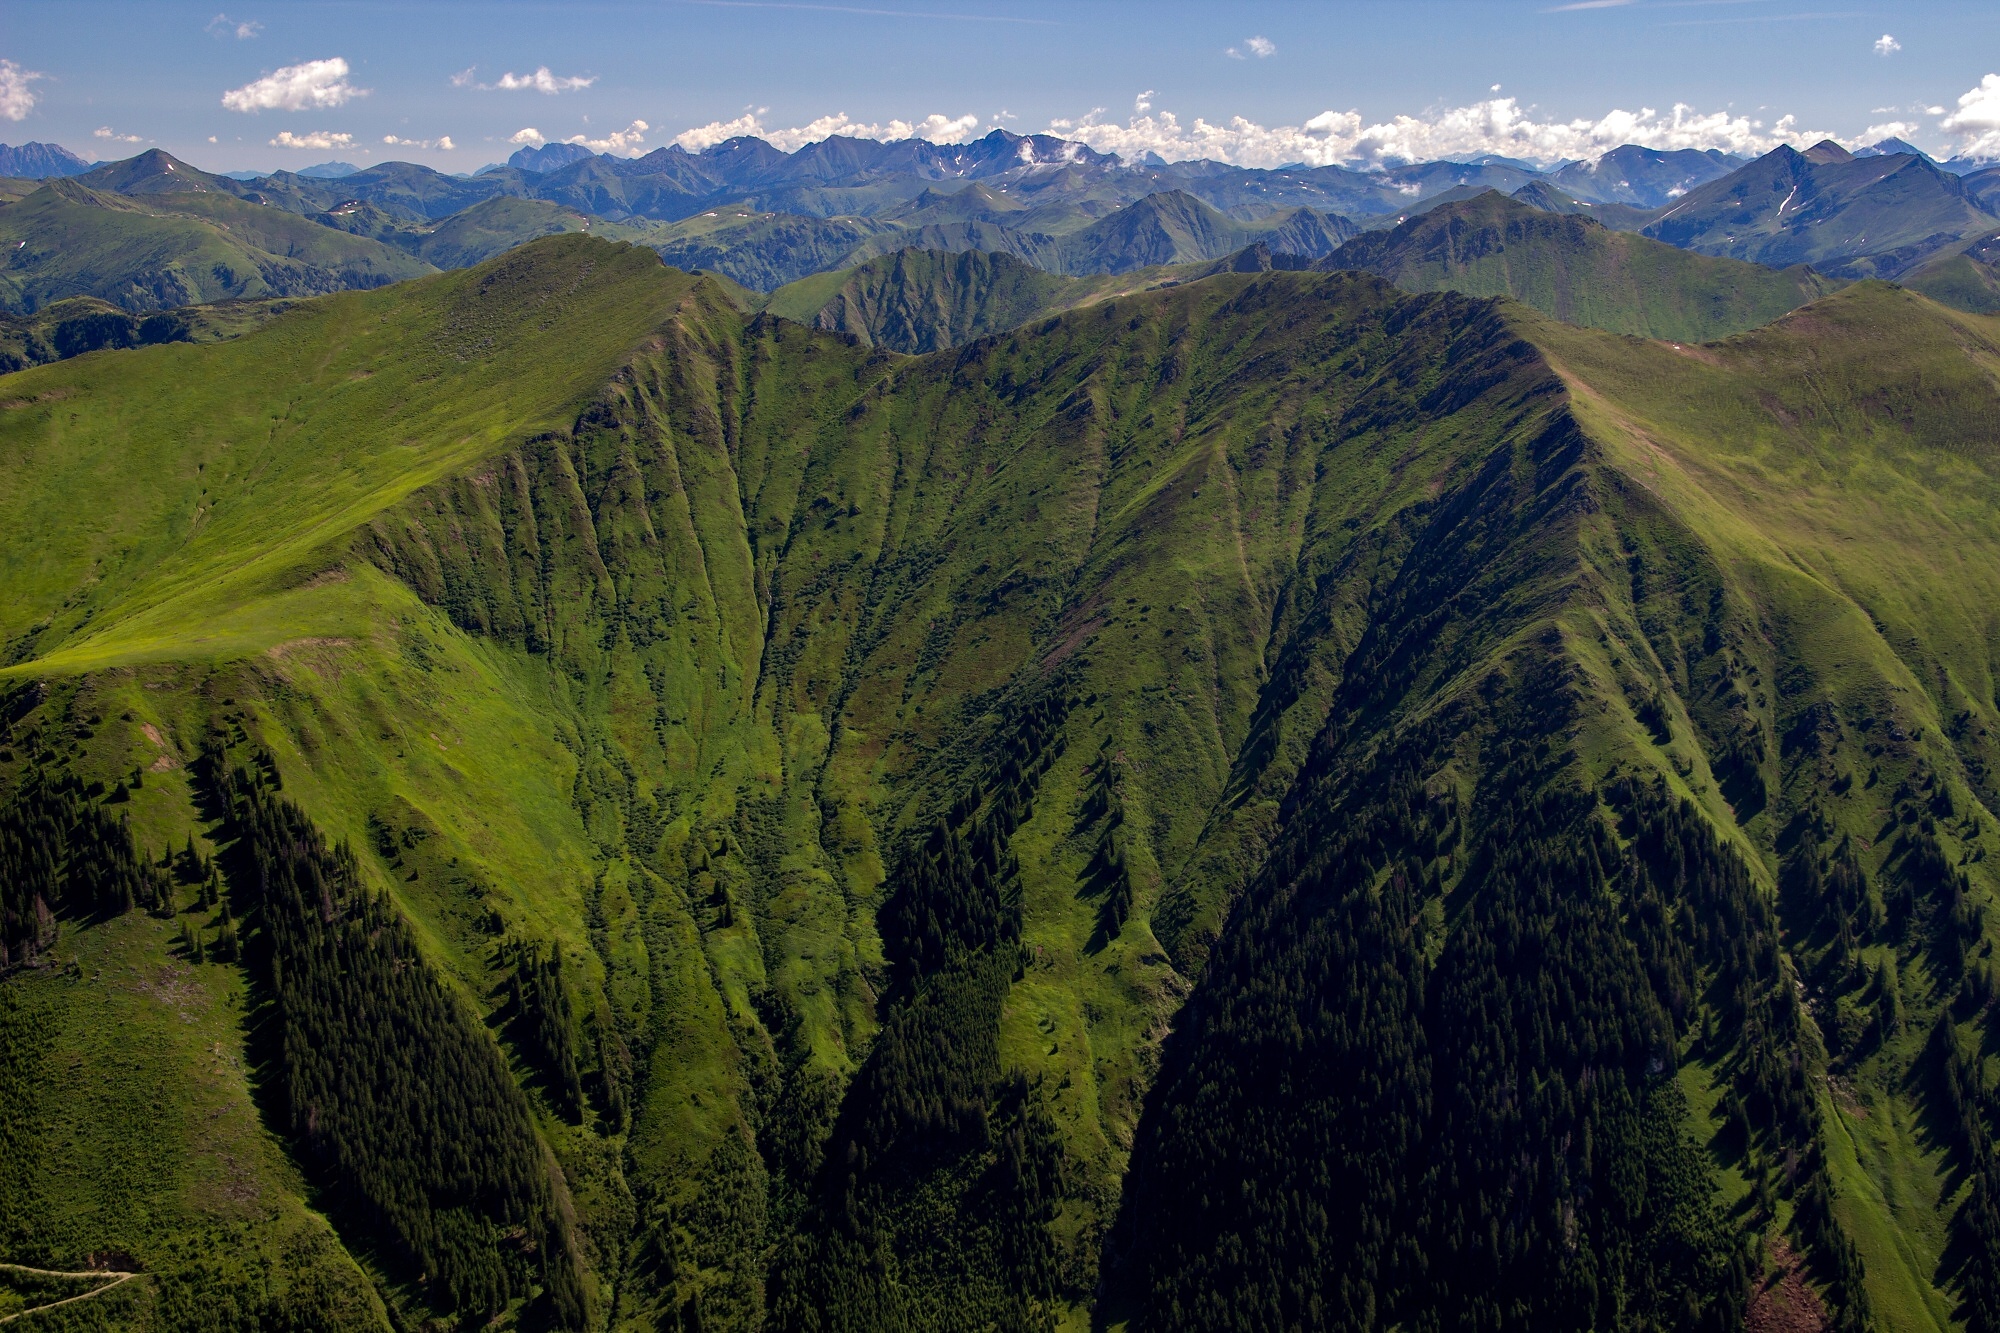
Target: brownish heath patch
{"points": [[166, 758], [319, 655], [1782, 1301]]}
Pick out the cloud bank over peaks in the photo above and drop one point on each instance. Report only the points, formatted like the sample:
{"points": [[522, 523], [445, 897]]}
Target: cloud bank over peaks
{"points": [[934, 127], [313, 85], [1499, 125], [627, 142]]}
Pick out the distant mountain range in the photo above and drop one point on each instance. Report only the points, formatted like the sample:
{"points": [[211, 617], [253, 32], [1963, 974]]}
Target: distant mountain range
{"points": [[38, 161], [1849, 215], [768, 220]]}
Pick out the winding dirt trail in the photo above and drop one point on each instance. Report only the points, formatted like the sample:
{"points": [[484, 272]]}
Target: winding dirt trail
{"points": [[117, 1277]]}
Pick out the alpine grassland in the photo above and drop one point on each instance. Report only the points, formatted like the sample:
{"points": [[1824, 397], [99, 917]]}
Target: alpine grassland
{"points": [[544, 797]]}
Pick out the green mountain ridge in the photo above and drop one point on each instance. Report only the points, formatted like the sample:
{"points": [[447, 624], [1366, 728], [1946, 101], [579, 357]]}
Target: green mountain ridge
{"points": [[189, 247], [1073, 828], [1573, 269]]}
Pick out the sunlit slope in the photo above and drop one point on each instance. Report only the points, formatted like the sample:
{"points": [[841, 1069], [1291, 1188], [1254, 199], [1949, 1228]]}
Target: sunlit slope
{"points": [[154, 496], [1848, 453]]}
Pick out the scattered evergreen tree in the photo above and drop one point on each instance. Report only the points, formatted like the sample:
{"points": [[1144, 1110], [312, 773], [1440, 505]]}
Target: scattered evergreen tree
{"points": [[543, 1024]]}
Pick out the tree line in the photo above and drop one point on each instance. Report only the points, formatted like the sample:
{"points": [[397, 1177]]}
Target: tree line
{"points": [[401, 1104]]}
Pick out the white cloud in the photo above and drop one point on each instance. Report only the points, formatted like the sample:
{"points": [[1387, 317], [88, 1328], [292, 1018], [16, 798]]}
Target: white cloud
{"points": [[1260, 46], [224, 26], [17, 99], [1885, 45], [1498, 125], [627, 140], [442, 141], [935, 127], [318, 139], [314, 84], [717, 131], [541, 81], [106, 132], [1977, 118]]}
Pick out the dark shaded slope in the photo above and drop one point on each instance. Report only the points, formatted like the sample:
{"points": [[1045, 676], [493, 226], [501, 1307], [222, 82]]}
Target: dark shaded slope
{"points": [[1575, 270], [1177, 228], [1032, 247]]}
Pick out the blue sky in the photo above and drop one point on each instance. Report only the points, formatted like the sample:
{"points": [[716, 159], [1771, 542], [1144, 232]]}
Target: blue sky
{"points": [[263, 85]]}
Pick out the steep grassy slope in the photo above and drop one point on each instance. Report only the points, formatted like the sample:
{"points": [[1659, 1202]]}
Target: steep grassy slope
{"points": [[151, 252], [1577, 271], [1965, 277], [1400, 697], [761, 250], [916, 301]]}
